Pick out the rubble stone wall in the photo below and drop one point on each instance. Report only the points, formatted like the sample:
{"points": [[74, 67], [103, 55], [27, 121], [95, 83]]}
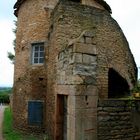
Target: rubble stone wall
{"points": [[118, 119], [30, 81], [84, 42]]}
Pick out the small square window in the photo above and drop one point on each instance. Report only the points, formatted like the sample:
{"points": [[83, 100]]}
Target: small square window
{"points": [[38, 52]]}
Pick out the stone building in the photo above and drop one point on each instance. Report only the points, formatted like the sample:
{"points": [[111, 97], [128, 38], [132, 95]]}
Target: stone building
{"points": [[70, 54]]}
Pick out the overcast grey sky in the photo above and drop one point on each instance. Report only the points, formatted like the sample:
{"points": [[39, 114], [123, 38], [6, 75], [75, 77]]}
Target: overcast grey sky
{"points": [[126, 12]]}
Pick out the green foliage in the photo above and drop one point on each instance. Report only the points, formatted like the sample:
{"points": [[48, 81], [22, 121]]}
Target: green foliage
{"points": [[131, 103], [4, 98], [4, 95], [15, 30], [137, 87], [11, 56], [10, 134], [6, 90]]}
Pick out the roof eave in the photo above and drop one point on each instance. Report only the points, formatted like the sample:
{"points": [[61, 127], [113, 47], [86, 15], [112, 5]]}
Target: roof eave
{"points": [[17, 6]]}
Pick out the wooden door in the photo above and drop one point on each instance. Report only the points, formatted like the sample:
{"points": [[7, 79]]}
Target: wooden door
{"points": [[61, 118]]}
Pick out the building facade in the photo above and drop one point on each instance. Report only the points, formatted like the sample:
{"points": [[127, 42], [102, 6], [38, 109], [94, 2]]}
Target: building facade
{"points": [[69, 55]]}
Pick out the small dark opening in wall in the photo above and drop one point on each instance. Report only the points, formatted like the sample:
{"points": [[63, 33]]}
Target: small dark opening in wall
{"points": [[41, 79], [117, 85], [51, 28], [86, 97], [75, 1], [22, 48]]}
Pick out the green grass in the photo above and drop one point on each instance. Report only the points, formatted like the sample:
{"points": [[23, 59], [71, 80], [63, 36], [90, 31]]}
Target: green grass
{"points": [[9, 133]]}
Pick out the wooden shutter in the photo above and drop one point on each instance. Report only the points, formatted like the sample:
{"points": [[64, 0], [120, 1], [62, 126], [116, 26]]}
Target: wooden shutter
{"points": [[35, 113]]}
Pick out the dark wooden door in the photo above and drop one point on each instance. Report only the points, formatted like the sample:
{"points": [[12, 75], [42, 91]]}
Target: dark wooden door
{"points": [[61, 118], [65, 118]]}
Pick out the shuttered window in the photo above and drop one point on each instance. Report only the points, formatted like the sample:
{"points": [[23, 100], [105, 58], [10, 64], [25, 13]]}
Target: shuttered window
{"points": [[35, 113]]}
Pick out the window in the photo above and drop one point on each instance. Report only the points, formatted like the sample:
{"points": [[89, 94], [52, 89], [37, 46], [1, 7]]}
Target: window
{"points": [[38, 52]]}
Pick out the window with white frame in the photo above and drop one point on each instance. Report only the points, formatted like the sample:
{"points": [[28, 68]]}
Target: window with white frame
{"points": [[38, 52]]}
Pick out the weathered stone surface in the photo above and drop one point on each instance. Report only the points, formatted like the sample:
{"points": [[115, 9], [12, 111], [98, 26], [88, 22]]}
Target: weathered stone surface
{"points": [[89, 59], [76, 69], [77, 58], [116, 122], [88, 40], [90, 34], [84, 70], [85, 48]]}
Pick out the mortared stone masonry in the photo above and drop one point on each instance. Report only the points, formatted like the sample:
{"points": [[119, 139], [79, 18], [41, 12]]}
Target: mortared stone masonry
{"points": [[85, 49]]}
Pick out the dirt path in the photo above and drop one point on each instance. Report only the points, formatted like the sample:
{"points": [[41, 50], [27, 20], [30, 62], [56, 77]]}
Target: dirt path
{"points": [[1, 120]]}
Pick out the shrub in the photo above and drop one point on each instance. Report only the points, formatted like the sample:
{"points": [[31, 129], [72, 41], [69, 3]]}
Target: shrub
{"points": [[4, 98], [137, 87]]}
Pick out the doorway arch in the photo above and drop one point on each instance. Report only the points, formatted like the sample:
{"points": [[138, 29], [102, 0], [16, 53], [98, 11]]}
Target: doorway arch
{"points": [[117, 85]]}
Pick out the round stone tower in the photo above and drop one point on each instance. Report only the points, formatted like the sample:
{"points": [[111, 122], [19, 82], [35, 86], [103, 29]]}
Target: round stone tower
{"points": [[30, 79], [69, 54]]}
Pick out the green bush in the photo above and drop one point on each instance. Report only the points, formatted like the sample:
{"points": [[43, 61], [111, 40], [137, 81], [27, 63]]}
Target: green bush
{"points": [[137, 87], [4, 98]]}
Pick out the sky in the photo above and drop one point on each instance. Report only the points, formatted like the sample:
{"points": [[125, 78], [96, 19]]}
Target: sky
{"points": [[6, 39], [126, 12]]}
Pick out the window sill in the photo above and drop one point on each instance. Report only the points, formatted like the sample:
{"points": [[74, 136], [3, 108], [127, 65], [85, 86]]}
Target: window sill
{"points": [[37, 65]]}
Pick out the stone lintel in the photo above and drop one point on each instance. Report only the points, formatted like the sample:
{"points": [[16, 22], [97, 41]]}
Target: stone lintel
{"points": [[76, 90], [85, 48]]}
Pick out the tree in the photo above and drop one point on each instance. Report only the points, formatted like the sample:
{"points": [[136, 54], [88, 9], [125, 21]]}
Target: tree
{"points": [[11, 56]]}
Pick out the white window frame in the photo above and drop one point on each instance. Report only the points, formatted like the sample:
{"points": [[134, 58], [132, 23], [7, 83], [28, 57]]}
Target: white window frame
{"points": [[36, 50]]}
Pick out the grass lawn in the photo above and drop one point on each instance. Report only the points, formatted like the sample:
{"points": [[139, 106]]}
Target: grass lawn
{"points": [[10, 134]]}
